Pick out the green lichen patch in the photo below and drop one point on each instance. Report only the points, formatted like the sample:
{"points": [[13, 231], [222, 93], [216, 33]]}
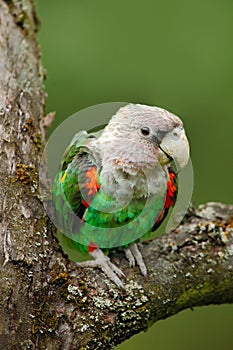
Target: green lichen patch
{"points": [[37, 140], [45, 320], [21, 19], [203, 294], [60, 282], [29, 124], [193, 295], [25, 174], [22, 12], [61, 278]]}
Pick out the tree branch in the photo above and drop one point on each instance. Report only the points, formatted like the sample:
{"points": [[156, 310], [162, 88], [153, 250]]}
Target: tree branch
{"points": [[45, 300]]}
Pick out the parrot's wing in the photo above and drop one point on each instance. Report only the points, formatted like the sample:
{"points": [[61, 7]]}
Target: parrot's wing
{"points": [[76, 183]]}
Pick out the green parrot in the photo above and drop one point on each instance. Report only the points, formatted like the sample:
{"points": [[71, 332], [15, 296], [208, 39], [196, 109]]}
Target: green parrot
{"points": [[115, 186]]}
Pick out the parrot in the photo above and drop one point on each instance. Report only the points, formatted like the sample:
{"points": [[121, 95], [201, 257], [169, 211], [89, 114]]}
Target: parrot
{"points": [[115, 186]]}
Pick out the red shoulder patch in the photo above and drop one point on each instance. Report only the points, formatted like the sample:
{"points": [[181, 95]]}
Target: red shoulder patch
{"points": [[171, 190], [169, 199], [91, 185]]}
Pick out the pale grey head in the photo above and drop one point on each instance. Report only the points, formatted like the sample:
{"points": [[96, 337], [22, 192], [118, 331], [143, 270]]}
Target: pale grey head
{"points": [[140, 138], [134, 136]]}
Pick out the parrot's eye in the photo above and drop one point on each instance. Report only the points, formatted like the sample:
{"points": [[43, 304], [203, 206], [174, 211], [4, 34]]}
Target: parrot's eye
{"points": [[145, 131]]}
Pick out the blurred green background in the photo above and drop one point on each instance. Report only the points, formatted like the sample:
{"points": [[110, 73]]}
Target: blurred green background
{"points": [[173, 54]]}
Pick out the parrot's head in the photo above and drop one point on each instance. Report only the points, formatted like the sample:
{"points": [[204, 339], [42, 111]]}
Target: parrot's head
{"points": [[140, 136]]}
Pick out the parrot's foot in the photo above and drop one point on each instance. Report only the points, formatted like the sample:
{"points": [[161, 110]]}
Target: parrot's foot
{"points": [[133, 254], [103, 262]]}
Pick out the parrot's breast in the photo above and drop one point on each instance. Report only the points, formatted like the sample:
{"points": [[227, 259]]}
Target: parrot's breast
{"points": [[123, 186]]}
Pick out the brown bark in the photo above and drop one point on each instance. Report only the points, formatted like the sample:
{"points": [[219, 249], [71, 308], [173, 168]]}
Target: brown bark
{"points": [[45, 301]]}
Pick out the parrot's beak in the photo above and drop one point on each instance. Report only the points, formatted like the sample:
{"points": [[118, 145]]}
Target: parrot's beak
{"points": [[174, 146]]}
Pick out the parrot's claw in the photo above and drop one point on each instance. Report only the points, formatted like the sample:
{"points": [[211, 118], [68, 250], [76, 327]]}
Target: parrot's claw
{"points": [[133, 254], [103, 262], [129, 257]]}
